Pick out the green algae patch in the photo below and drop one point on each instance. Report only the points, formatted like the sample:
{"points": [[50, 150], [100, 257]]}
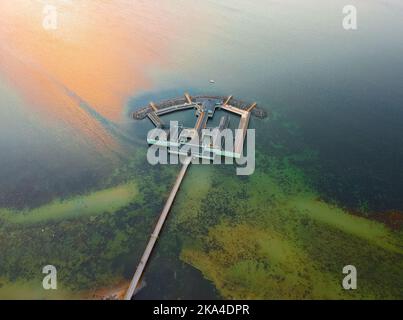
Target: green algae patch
{"points": [[374, 232], [251, 263], [193, 192], [94, 240], [33, 290], [104, 201], [268, 236]]}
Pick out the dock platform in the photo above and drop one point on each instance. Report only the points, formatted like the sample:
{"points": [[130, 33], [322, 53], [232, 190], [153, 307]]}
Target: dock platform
{"points": [[205, 107]]}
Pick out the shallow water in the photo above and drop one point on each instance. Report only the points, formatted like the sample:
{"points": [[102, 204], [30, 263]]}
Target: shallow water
{"points": [[334, 97]]}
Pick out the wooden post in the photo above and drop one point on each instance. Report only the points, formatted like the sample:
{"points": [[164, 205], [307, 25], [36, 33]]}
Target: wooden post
{"points": [[228, 99], [188, 98], [251, 107], [152, 105]]}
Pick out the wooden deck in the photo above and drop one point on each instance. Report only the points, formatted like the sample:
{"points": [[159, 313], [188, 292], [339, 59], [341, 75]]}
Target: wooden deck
{"points": [[154, 236], [153, 112]]}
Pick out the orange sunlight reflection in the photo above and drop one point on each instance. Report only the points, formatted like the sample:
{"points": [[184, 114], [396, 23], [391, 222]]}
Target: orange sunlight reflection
{"points": [[100, 52]]}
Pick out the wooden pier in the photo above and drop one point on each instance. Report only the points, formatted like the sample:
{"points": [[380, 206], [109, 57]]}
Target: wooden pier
{"points": [[135, 282], [205, 108], [188, 102], [155, 119], [154, 236]]}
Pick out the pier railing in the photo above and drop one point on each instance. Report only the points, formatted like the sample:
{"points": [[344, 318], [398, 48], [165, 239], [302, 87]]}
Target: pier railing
{"points": [[143, 112]]}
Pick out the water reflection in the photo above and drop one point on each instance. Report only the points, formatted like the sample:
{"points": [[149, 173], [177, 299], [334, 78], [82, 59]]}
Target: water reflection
{"points": [[68, 87]]}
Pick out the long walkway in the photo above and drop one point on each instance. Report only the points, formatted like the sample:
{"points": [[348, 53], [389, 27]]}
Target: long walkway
{"points": [[164, 214], [200, 124], [154, 236]]}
